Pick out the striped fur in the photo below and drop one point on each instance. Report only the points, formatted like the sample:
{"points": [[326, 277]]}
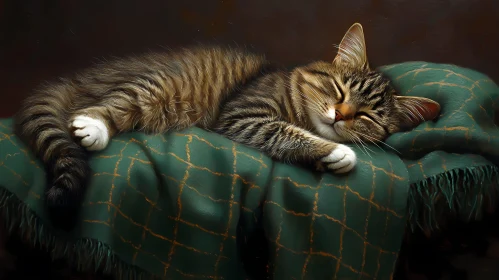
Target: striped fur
{"points": [[298, 115]]}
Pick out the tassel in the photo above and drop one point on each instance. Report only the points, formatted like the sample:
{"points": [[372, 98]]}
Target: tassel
{"points": [[458, 191]]}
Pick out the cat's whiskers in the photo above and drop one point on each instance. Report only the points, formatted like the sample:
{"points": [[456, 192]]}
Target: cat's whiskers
{"points": [[364, 145], [353, 138], [356, 144], [379, 141], [369, 138]]}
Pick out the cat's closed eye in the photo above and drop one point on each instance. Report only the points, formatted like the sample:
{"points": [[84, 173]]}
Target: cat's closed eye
{"points": [[361, 114]]}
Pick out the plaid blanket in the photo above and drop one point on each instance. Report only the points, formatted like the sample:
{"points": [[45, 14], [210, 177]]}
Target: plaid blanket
{"points": [[193, 204]]}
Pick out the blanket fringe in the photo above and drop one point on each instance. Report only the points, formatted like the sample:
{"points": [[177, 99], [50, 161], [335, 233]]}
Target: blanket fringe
{"points": [[86, 255], [461, 192]]}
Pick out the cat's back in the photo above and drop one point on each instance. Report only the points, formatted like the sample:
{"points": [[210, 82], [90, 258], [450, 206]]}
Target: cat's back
{"points": [[189, 62], [179, 87]]}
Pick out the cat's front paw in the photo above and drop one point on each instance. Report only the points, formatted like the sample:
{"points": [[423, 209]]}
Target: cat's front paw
{"points": [[341, 160], [92, 132]]}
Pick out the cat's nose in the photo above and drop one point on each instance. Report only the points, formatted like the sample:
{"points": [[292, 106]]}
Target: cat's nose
{"points": [[338, 116]]}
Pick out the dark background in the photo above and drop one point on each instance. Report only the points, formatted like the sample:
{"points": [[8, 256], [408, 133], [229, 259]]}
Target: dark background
{"points": [[42, 39]]}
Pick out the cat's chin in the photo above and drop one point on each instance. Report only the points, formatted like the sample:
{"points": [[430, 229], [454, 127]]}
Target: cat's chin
{"points": [[326, 130]]}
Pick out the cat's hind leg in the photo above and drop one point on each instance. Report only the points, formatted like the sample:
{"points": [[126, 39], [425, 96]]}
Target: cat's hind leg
{"points": [[92, 129], [93, 132]]}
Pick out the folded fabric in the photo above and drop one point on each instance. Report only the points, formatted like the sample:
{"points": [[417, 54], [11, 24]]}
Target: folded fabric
{"points": [[453, 160], [193, 204]]}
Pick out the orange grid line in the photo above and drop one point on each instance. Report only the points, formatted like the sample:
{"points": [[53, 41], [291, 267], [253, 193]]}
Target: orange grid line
{"points": [[231, 203], [179, 205]]}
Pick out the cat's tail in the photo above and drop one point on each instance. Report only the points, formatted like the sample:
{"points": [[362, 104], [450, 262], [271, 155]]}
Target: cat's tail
{"points": [[42, 124]]}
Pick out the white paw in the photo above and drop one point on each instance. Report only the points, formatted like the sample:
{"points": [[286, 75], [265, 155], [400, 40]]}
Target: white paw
{"points": [[342, 159], [93, 133]]}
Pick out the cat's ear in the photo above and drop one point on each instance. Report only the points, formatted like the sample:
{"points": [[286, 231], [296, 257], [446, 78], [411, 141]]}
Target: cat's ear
{"points": [[352, 49], [416, 110]]}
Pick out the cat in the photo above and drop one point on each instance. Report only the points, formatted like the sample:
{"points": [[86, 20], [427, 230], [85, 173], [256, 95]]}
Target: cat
{"points": [[302, 115]]}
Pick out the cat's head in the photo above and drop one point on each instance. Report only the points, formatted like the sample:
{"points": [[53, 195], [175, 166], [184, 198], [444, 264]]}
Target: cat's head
{"points": [[347, 100]]}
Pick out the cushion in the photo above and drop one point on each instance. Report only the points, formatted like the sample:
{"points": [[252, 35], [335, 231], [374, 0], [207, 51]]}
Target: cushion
{"points": [[157, 204]]}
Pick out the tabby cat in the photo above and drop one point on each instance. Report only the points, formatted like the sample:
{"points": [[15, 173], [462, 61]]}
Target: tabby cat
{"points": [[299, 115]]}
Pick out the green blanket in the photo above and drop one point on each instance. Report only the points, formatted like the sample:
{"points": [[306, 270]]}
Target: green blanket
{"points": [[193, 204]]}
